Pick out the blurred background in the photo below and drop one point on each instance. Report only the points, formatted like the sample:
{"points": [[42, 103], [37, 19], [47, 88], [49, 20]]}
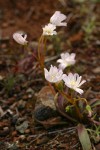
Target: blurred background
{"points": [[31, 16], [80, 36]]}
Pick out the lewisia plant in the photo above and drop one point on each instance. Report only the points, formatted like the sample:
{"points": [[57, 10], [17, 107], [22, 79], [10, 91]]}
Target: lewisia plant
{"points": [[67, 87], [55, 75]]}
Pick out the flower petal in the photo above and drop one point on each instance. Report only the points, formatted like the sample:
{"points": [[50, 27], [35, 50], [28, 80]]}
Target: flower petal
{"points": [[80, 91], [82, 82]]}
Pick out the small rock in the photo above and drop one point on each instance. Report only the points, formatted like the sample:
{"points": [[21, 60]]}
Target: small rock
{"points": [[21, 104], [42, 112], [5, 25], [46, 99], [96, 70], [5, 128], [5, 131], [30, 96], [30, 90], [45, 111], [22, 137], [27, 131], [98, 42], [22, 127]]}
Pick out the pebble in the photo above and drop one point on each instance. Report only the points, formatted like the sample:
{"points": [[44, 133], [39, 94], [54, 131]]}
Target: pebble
{"points": [[30, 96], [96, 70], [21, 104], [30, 90], [1, 77], [5, 25], [22, 137], [27, 131], [5, 128]]}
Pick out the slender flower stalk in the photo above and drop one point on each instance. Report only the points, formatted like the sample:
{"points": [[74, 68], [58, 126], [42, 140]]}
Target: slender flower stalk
{"points": [[42, 51], [52, 89], [39, 46]]}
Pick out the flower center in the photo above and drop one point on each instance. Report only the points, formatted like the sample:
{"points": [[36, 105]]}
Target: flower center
{"points": [[53, 76], [72, 83], [49, 31]]}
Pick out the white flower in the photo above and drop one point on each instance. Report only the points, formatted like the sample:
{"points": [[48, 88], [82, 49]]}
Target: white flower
{"points": [[53, 75], [73, 81], [66, 60], [57, 19], [49, 29], [19, 38]]}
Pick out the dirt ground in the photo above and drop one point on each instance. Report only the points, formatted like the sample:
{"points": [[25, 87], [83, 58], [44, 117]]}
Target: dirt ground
{"points": [[25, 15], [18, 131]]}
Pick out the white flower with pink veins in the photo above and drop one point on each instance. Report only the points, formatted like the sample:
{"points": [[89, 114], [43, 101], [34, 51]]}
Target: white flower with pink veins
{"points": [[66, 60], [49, 29], [20, 38], [53, 75], [74, 82], [58, 18]]}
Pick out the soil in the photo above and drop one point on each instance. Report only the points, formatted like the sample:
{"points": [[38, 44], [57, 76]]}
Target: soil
{"points": [[18, 130], [25, 15]]}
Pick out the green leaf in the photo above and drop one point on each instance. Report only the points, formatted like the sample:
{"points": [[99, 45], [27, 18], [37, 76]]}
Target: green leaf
{"points": [[96, 103], [84, 137], [88, 108]]}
